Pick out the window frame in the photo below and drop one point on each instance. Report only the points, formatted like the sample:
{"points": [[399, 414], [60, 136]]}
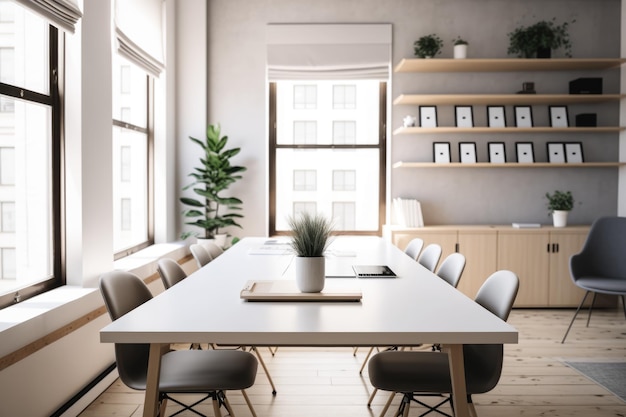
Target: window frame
{"points": [[273, 146], [53, 100]]}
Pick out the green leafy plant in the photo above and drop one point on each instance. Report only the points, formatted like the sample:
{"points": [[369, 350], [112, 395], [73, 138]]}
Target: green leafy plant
{"points": [[215, 174], [459, 41], [428, 46], [310, 234], [560, 200], [545, 34]]}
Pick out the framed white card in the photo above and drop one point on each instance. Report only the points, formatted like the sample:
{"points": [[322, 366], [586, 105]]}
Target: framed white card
{"points": [[558, 116], [556, 152], [467, 152], [525, 152], [574, 152], [496, 152], [464, 116], [428, 116], [496, 116], [523, 116], [441, 152]]}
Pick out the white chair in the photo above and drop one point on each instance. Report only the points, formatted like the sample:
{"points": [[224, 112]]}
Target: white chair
{"points": [[213, 249], [414, 247], [429, 258], [201, 255], [451, 268]]}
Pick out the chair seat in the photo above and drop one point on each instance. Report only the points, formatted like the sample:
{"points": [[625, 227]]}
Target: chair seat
{"points": [[200, 371], [603, 285], [429, 372]]}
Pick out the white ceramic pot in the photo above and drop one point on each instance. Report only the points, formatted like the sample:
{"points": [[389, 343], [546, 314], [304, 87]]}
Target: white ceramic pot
{"points": [[460, 51], [310, 273], [559, 218]]}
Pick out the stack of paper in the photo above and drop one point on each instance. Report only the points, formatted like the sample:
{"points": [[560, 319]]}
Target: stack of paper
{"points": [[408, 212]]}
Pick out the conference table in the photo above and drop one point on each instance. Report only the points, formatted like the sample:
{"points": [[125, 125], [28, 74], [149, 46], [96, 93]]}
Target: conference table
{"points": [[416, 307]]}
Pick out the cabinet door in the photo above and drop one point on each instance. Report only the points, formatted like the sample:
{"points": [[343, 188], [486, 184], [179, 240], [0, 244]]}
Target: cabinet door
{"points": [[562, 291], [526, 254], [480, 249]]}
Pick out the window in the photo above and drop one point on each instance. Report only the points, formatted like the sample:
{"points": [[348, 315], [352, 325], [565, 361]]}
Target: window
{"points": [[132, 155], [304, 97], [30, 155], [342, 173]]}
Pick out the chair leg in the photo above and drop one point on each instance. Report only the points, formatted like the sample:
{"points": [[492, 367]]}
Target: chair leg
{"points": [[354, 350], [227, 406], [247, 399], [366, 359], [624, 306], [262, 362], [387, 404], [575, 314], [593, 301], [216, 407]]}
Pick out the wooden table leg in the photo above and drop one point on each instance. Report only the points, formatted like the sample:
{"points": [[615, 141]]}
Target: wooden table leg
{"points": [[151, 401], [457, 374]]}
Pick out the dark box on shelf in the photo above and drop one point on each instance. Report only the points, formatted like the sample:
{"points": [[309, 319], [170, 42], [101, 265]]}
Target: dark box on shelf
{"points": [[586, 86], [586, 120]]}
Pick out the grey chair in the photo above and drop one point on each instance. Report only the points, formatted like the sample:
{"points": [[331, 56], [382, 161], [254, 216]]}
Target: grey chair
{"points": [[429, 258], [416, 374], [414, 247], [201, 255], [170, 271], [600, 267], [207, 372], [452, 268]]}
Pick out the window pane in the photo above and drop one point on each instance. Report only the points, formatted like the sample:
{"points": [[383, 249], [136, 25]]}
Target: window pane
{"points": [[24, 49], [345, 125], [361, 174], [130, 188], [130, 93], [26, 195]]}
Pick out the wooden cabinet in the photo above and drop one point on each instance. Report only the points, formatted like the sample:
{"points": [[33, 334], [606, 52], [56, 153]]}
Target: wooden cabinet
{"points": [[540, 257]]}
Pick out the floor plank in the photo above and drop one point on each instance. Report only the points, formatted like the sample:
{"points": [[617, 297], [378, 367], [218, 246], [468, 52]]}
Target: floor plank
{"points": [[535, 382]]}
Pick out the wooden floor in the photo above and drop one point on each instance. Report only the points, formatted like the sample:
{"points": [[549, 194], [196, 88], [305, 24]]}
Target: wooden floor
{"points": [[535, 382]]}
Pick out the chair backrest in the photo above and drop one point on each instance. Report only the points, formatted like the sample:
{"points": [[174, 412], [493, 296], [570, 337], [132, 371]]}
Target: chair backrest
{"points": [[451, 268], [483, 363], [414, 247], [429, 258], [200, 254], [122, 292], [170, 271], [604, 251], [212, 248]]}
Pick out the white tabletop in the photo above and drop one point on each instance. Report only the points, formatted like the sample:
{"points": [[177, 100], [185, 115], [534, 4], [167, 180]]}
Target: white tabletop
{"points": [[416, 307]]}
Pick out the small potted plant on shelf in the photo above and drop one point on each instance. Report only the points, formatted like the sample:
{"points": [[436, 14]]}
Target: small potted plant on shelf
{"points": [[560, 203], [428, 46], [460, 48], [539, 39], [310, 234], [213, 211]]}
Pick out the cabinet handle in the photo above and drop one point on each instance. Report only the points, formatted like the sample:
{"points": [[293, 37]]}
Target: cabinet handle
{"points": [[456, 247], [548, 248], [557, 247]]}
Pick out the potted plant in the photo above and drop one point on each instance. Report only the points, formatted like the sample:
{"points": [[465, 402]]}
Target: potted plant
{"points": [[428, 46], [460, 48], [212, 210], [540, 39], [310, 234], [560, 203]]}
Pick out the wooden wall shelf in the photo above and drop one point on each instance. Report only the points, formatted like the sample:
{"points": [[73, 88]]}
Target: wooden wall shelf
{"points": [[403, 164], [483, 129], [503, 99], [506, 65]]}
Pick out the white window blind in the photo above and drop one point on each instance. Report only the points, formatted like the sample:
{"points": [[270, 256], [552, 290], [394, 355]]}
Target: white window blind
{"points": [[63, 14], [328, 51], [139, 33]]}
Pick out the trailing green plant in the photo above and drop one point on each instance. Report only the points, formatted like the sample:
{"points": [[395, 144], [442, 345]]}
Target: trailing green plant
{"points": [[310, 234], [212, 210], [459, 41], [560, 200], [428, 46], [545, 34]]}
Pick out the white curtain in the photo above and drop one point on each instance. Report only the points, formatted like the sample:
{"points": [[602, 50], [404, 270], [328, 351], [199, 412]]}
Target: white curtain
{"points": [[328, 51], [64, 14], [139, 33]]}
